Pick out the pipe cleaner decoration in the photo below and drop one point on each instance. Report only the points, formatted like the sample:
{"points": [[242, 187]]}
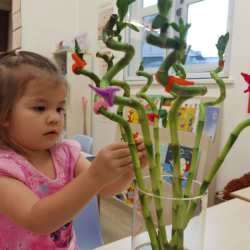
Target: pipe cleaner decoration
{"points": [[79, 64], [172, 80], [152, 116], [247, 79], [101, 103], [107, 94], [135, 135]]}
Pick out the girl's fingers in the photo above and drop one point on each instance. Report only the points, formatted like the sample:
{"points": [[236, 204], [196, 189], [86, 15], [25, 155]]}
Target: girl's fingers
{"points": [[121, 153], [117, 145], [124, 161], [140, 146], [139, 140]]}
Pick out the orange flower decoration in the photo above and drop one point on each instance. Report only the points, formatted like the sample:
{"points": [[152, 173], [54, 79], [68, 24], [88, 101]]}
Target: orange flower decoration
{"points": [[135, 135], [172, 80], [78, 63]]}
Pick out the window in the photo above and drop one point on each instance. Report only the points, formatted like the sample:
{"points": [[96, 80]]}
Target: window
{"points": [[209, 19]]}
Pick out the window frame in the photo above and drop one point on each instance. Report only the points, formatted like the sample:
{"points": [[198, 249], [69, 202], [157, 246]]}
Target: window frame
{"points": [[196, 76]]}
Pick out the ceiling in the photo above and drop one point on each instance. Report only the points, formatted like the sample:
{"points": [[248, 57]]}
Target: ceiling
{"points": [[6, 5]]}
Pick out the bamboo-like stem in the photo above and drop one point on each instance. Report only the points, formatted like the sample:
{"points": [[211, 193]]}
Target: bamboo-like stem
{"points": [[177, 188], [202, 106], [220, 159], [143, 198], [150, 155], [106, 58], [141, 94]]}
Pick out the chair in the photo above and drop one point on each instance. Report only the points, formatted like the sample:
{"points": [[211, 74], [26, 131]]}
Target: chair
{"points": [[85, 141], [87, 227]]}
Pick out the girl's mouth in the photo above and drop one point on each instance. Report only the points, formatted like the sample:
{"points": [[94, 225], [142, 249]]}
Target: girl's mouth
{"points": [[51, 134]]}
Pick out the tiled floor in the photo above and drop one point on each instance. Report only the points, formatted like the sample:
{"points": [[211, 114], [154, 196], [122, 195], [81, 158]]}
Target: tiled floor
{"points": [[115, 224]]}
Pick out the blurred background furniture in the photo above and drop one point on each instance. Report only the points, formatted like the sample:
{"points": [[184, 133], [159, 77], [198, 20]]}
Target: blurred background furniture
{"points": [[85, 141], [87, 227]]}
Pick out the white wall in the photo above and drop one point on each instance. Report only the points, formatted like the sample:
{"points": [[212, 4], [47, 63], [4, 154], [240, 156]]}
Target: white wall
{"points": [[45, 23], [235, 107]]}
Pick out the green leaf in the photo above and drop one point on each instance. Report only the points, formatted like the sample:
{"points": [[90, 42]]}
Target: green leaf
{"points": [[131, 26], [181, 24], [175, 27], [123, 26], [158, 22], [227, 38], [169, 5], [222, 39], [131, 1], [122, 6]]}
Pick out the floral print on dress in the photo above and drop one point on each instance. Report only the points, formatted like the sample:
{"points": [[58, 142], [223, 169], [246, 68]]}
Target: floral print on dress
{"points": [[12, 237]]}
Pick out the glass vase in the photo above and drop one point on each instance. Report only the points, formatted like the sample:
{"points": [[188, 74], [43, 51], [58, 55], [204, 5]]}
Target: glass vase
{"points": [[193, 236]]}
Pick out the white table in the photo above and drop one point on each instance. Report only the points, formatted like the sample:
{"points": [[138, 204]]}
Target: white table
{"points": [[243, 194], [85, 154], [227, 228]]}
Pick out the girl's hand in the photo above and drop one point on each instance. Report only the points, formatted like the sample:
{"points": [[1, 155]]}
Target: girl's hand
{"points": [[111, 163], [141, 152]]}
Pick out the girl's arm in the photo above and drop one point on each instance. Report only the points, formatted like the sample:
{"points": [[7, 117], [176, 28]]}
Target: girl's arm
{"points": [[44, 216]]}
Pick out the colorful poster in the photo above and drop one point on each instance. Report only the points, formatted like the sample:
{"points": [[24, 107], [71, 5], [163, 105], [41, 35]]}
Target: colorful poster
{"points": [[211, 121], [133, 116], [186, 154], [185, 117], [193, 104]]}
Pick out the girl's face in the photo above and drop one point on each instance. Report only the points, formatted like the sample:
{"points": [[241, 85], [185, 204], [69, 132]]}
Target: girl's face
{"points": [[37, 119]]}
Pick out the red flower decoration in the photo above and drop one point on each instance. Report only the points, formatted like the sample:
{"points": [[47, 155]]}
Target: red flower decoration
{"points": [[78, 63], [152, 116], [135, 135], [247, 79]]}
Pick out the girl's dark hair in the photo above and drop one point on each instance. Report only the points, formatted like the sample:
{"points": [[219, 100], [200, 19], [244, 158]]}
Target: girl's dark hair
{"points": [[15, 73]]}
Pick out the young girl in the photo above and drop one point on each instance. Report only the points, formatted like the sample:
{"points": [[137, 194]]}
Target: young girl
{"points": [[44, 184]]}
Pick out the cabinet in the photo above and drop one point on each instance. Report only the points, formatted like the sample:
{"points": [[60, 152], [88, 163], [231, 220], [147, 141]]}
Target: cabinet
{"points": [[74, 117]]}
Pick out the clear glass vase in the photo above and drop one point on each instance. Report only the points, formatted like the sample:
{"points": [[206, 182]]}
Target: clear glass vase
{"points": [[193, 236]]}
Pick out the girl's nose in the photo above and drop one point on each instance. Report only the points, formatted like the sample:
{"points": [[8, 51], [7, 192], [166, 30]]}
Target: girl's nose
{"points": [[53, 117]]}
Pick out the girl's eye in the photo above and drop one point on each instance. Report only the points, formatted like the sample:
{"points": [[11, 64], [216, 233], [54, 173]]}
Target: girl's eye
{"points": [[60, 110], [40, 108]]}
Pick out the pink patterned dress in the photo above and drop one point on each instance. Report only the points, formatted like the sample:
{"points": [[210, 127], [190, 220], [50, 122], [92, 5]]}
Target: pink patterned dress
{"points": [[12, 237]]}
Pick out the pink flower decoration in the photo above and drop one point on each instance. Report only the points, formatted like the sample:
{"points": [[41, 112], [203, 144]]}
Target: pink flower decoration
{"points": [[152, 116], [99, 104], [107, 94], [247, 79]]}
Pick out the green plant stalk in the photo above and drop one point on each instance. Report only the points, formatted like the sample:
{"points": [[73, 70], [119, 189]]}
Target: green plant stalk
{"points": [[107, 36], [143, 198], [150, 155], [141, 94], [200, 130], [217, 164], [120, 109], [106, 58], [177, 188]]}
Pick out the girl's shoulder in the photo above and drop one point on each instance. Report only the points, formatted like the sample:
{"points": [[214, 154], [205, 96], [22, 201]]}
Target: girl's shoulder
{"points": [[9, 164], [71, 148]]}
